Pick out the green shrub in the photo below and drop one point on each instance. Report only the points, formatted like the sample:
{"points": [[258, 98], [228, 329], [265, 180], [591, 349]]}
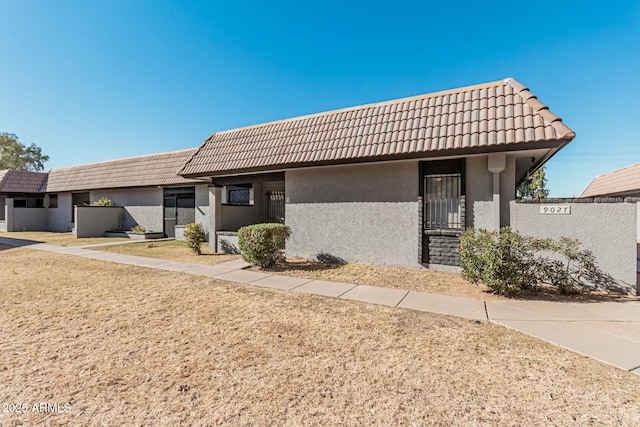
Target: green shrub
{"points": [[503, 260], [194, 236], [263, 244], [509, 263], [140, 229], [102, 202]]}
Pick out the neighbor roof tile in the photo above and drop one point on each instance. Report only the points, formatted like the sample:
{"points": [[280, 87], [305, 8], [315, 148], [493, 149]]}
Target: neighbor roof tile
{"points": [[619, 182], [14, 181], [141, 171]]}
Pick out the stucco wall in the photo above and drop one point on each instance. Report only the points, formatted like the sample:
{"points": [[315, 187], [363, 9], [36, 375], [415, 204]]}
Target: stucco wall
{"points": [[94, 221], [29, 219], [609, 230], [234, 217], [143, 206], [479, 190], [202, 208], [479, 182], [60, 217], [366, 213]]}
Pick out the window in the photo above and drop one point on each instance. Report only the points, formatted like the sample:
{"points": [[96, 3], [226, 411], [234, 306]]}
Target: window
{"points": [[19, 203], [442, 201], [240, 194], [53, 200], [39, 203]]}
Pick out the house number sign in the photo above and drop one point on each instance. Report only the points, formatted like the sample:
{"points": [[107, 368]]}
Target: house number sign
{"points": [[555, 209]]}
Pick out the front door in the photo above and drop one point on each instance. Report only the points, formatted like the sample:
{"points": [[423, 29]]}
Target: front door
{"points": [[170, 215], [179, 208]]}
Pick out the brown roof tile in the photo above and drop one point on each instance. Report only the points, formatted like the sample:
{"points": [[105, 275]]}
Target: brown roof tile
{"points": [[502, 112], [13, 181], [619, 182], [141, 171]]}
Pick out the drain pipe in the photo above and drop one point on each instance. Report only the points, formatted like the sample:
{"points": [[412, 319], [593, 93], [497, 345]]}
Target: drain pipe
{"points": [[496, 164]]}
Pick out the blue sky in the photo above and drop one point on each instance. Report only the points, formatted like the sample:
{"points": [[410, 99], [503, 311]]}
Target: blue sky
{"points": [[90, 81]]}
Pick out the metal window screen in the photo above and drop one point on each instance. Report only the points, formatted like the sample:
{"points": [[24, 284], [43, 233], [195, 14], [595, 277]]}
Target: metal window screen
{"points": [[275, 206], [238, 196], [442, 201]]}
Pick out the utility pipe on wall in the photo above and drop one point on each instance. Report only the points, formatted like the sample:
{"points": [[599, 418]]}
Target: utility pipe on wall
{"points": [[496, 164]]}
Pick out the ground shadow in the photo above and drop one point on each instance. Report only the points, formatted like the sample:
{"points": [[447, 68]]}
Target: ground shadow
{"points": [[12, 243]]}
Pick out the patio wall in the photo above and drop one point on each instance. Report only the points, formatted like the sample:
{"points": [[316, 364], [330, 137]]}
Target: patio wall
{"points": [[607, 227], [30, 219], [60, 217], [24, 219], [142, 206], [94, 221]]}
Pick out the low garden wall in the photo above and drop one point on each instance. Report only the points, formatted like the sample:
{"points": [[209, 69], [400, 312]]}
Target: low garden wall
{"points": [[95, 221], [228, 242], [608, 227]]}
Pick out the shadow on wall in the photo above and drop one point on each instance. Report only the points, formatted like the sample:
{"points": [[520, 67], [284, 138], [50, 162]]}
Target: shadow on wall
{"points": [[602, 281], [228, 248]]}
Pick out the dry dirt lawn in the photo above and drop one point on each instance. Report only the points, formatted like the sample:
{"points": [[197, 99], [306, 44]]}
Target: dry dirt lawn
{"points": [[133, 346], [60, 239], [169, 249], [435, 282]]}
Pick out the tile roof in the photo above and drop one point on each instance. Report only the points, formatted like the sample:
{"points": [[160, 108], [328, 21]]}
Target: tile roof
{"points": [[141, 171], [625, 181], [13, 181], [493, 116]]}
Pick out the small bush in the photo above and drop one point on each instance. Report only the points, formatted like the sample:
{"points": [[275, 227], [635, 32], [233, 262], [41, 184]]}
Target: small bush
{"points": [[503, 260], [509, 263], [194, 236], [263, 244], [102, 202], [140, 229]]}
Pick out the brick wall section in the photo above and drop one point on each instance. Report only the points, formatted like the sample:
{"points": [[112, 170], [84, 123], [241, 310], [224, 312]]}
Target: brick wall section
{"points": [[442, 247]]}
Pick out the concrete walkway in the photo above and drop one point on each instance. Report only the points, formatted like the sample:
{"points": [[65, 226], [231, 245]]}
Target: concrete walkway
{"points": [[607, 331]]}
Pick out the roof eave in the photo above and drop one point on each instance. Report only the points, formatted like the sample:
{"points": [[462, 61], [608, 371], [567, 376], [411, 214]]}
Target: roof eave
{"points": [[553, 144]]}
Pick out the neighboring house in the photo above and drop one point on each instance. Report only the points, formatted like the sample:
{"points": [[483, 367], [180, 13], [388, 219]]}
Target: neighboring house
{"points": [[623, 182], [388, 183], [148, 188], [23, 192]]}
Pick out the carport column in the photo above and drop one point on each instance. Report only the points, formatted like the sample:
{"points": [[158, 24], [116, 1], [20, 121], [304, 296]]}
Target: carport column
{"points": [[496, 164], [215, 216]]}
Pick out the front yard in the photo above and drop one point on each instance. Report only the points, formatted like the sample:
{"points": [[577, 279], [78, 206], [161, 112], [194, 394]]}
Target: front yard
{"points": [[173, 250], [128, 345], [60, 239]]}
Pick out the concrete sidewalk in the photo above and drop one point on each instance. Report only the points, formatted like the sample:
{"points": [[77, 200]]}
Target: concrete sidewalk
{"points": [[607, 331]]}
